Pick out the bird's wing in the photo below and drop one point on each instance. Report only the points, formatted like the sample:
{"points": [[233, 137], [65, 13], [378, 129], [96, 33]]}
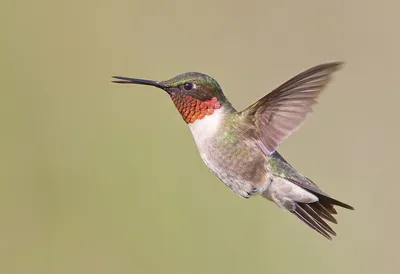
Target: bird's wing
{"points": [[280, 113]]}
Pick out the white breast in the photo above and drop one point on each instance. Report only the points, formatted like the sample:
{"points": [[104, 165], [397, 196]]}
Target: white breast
{"points": [[204, 129]]}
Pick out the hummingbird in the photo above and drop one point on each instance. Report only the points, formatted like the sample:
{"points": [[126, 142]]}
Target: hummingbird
{"points": [[240, 147]]}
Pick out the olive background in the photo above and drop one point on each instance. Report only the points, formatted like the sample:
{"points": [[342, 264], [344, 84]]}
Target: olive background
{"points": [[103, 178]]}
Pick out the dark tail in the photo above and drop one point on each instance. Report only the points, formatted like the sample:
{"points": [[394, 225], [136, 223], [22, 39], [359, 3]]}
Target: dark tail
{"points": [[314, 214]]}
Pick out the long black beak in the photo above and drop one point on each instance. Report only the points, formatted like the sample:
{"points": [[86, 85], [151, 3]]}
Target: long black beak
{"points": [[127, 80]]}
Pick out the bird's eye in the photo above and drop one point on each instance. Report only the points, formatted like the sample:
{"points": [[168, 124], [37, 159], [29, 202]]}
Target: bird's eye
{"points": [[188, 86]]}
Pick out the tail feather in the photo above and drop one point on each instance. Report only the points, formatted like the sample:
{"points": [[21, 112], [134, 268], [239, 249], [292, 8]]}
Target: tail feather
{"points": [[331, 209], [312, 209], [304, 216], [323, 212], [317, 218], [313, 214]]}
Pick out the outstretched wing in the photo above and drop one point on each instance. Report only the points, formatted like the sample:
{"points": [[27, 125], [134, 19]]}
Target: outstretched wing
{"points": [[278, 114]]}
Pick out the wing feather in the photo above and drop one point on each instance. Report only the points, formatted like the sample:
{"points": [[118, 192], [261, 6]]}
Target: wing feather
{"points": [[278, 114]]}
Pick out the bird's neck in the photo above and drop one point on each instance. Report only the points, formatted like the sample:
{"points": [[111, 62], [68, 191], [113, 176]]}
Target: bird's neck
{"points": [[206, 129], [193, 109]]}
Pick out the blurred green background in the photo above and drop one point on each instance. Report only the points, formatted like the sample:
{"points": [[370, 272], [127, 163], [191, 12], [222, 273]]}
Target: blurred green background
{"points": [[103, 178]]}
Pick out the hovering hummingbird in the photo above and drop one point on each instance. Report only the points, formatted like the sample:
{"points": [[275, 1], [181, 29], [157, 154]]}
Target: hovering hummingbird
{"points": [[239, 147]]}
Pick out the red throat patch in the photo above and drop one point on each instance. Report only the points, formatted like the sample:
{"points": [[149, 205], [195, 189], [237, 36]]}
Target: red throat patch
{"points": [[193, 109]]}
